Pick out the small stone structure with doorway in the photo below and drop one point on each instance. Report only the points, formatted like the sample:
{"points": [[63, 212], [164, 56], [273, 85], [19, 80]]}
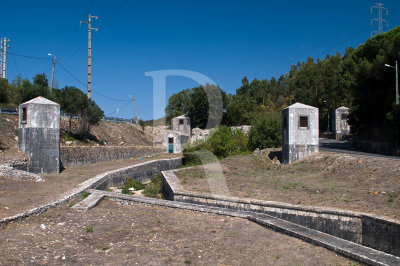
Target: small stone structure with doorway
{"points": [[341, 127], [299, 132], [39, 134], [179, 135]]}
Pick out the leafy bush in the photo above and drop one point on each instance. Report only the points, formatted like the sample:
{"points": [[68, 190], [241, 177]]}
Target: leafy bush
{"points": [[241, 141], [137, 185], [266, 132], [223, 142], [153, 189], [194, 151]]}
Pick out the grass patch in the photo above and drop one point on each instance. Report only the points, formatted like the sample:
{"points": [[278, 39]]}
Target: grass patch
{"points": [[89, 229], [153, 189], [85, 194]]}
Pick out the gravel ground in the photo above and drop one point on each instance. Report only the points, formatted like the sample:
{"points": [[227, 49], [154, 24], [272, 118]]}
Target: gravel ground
{"points": [[17, 196], [115, 234]]}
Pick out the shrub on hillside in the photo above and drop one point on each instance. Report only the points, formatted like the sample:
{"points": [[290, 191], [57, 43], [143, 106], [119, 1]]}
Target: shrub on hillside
{"points": [[266, 132], [223, 142], [194, 151]]}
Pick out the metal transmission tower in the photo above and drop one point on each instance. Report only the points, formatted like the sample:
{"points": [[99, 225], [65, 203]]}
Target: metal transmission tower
{"points": [[380, 8], [4, 45], [89, 79]]}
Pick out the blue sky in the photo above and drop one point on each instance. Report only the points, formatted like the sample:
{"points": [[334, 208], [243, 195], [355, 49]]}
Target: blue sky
{"points": [[224, 40]]}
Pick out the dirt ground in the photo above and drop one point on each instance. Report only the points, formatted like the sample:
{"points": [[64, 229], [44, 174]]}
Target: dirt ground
{"points": [[112, 133], [114, 234], [344, 181], [17, 196]]}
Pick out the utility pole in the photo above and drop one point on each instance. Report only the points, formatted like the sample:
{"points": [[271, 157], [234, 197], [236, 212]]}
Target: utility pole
{"points": [[89, 79], [380, 7], [52, 71], [4, 56], [1, 55]]}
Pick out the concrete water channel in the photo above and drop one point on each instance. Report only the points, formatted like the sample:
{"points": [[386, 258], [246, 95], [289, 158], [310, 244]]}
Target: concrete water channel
{"points": [[358, 236]]}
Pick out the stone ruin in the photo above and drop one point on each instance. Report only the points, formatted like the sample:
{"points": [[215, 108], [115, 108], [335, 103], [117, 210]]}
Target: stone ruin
{"points": [[299, 132], [341, 127], [39, 135], [202, 134]]}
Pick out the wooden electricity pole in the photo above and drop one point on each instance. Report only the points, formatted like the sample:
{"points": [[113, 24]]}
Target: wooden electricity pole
{"points": [[89, 79]]}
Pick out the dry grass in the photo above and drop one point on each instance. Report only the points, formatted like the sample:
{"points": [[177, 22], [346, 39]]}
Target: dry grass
{"points": [[353, 182]]}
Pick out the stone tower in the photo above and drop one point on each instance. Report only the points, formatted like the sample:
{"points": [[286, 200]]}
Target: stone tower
{"points": [[39, 134], [299, 132], [179, 135]]}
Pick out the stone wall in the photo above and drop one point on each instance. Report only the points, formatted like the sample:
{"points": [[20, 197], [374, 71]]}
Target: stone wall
{"points": [[81, 155], [202, 134], [386, 148], [141, 172]]}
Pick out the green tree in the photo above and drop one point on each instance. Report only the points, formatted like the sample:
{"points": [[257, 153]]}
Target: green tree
{"points": [[4, 99], [178, 104], [373, 87], [266, 132], [142, 124], [95, 114], [241, 111]]}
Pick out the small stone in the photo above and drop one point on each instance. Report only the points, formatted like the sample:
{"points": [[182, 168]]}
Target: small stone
{"points": [[43, 226]]}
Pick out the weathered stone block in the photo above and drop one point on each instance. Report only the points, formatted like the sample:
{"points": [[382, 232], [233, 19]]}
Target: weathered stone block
{"points": [[299, 132], [39, 135]]}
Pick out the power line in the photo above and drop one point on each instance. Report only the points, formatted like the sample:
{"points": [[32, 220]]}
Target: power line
{"points": [[115, 12], [27, 56], [68, 72], [98, 93], [125, 105]]}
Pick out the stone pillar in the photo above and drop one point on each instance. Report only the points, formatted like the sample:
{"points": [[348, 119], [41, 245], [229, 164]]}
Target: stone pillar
{"points": [[341, 127], [39, 134], [300, 132]]}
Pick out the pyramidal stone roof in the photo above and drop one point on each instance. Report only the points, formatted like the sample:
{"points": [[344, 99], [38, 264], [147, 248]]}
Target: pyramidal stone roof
{"points": [[300, 106], [181, 116], [41, 100]]}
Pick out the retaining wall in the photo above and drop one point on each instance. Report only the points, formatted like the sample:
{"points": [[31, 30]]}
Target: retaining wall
{"points": [[374, 232], [385, 148], [140, 172], [81, 155]]}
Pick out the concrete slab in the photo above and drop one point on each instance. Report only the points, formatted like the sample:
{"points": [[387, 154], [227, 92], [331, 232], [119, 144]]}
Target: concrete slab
{"points": [[91, 201]]}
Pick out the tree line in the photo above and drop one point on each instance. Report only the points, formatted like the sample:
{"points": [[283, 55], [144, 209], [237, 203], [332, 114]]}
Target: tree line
{"points": [[71, 99], [357, 79]]}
